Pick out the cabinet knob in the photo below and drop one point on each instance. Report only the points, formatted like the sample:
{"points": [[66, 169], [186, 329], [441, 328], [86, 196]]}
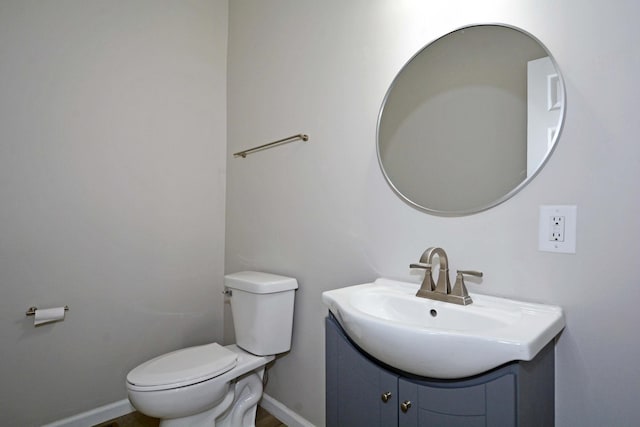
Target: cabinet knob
{"points": [[404, 406], [386, 396]]}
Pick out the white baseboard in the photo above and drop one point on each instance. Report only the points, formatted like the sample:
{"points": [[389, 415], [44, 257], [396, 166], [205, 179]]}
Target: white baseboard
{"points": [[284, 414], [123, 407], [96, 416]]}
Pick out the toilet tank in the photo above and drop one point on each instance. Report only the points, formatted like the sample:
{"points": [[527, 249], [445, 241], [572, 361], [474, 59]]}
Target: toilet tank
{"points": [[262, 311]]}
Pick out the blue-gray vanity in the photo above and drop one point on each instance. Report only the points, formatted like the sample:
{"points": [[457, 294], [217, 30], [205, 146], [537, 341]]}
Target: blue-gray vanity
{"points": [[361, 391]]}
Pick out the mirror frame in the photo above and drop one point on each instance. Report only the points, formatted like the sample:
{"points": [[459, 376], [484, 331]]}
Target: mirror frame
{"points": [[525, 181]]}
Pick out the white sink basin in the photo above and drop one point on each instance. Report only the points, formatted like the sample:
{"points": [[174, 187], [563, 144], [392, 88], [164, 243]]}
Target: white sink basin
{"points": [[439, 339]]}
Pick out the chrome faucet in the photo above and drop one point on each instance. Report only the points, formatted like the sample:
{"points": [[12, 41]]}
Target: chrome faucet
{"points": [[442, 291]]}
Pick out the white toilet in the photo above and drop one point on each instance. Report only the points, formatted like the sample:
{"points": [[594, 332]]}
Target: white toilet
{"points": [[212, 385]]}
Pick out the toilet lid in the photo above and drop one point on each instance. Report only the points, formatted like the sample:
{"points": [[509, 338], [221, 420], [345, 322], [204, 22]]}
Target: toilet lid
{"points": [[183, 367]]}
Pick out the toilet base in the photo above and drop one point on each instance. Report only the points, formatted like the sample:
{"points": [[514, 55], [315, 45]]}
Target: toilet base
{"points": [[238, 409], [248, 392]]}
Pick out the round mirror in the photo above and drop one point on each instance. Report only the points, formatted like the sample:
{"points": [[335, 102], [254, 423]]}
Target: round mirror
{"points": [[470, 119]]}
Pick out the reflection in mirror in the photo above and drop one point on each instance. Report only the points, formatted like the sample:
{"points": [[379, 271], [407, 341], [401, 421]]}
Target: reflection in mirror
{"points": [[470, 119]]}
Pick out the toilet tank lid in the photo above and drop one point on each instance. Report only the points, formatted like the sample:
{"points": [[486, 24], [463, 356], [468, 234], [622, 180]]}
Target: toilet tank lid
{"points": [[257, 282]]}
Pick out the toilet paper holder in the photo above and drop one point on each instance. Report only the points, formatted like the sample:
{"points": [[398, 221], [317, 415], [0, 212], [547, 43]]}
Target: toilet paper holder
{"points": [[31, 311]]}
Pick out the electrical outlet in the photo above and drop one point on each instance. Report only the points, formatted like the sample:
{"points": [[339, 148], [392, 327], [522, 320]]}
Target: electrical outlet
{"points": [[557, 229]]}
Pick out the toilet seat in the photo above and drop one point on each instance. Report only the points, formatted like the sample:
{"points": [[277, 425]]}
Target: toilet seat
{"points": [[181, 368]]}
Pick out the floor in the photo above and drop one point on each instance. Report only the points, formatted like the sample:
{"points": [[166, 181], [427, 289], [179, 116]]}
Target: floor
{"points": [[136, 419]]}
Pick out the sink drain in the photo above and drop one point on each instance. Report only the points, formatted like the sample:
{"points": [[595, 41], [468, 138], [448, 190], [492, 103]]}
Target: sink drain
{"points": [[433, 312]]}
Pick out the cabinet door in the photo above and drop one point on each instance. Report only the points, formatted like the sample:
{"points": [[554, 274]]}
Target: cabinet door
{"points": [[355, 386], [441, 407], [490, 404]]}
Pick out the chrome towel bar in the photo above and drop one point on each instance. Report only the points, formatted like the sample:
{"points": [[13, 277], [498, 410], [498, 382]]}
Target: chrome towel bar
{"points": [[301, 136]]}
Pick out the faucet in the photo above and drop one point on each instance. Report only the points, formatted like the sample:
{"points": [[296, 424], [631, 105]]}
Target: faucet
{"points": [[442, 290]]}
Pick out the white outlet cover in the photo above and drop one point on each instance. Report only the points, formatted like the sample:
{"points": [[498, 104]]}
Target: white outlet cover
{"points": [[569, 212]]}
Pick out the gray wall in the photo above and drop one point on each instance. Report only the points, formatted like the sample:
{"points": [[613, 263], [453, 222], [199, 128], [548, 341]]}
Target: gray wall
{"points": [[112, 182], [322, 212]]}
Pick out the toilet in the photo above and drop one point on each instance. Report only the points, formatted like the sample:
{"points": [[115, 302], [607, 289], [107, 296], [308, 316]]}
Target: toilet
{"points": [[214, 385]]}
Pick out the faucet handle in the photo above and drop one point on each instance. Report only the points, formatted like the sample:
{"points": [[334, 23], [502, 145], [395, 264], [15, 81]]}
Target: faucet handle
{"points": [[470, 272], [459, 289], [420, 265], [427, 283]]}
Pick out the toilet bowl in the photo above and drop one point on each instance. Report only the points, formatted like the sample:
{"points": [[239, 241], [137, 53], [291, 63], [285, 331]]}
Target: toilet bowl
{"points": [[180, 399], [211, 385]]}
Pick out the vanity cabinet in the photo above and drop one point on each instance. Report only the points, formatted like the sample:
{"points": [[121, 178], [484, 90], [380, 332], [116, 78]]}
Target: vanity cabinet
{"points": [[360, 391]]}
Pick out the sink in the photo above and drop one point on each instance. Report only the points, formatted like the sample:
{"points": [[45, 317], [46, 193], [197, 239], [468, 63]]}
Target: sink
{"points": [[438, 339]]}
